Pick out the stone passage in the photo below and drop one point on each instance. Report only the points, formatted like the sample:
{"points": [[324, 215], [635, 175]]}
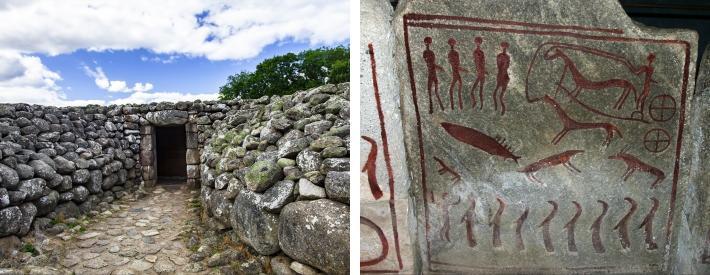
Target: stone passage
{"points": [[140, 237], [170, 152], [272, 174]]}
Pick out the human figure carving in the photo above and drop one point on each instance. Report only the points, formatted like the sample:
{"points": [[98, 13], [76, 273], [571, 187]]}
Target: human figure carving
{"points": [[582, 82], [432, 79], [445, 205], [570, 124], [456, 70], [503, 62], [647, 70], [479, 59]]}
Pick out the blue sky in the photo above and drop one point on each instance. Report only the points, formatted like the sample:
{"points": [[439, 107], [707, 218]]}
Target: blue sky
{"points": [[78, 52]]}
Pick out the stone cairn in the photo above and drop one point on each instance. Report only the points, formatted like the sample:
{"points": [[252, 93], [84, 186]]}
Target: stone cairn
{"points": [[276, 173], [272, 170]]}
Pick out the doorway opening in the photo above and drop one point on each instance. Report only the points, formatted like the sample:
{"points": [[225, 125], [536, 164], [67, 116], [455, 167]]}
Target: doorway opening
{"points": [[170, 148]]}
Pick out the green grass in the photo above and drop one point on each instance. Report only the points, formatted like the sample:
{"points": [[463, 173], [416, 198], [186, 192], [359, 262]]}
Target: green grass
{"points": [[29, 247]]}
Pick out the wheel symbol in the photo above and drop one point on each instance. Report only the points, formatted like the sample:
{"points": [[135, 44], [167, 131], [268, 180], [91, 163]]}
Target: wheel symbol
{"points": [[662, 108], [656, 140]]}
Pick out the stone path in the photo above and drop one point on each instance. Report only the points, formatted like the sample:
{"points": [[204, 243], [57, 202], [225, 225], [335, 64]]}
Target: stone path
{"points": [[141, 237]]}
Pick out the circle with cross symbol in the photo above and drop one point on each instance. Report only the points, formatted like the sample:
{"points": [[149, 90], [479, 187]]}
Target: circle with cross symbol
{"points": [[656, 140], [662, 108]]}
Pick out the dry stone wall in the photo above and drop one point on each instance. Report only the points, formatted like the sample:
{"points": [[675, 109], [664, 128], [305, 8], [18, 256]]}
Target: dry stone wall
{"points": [[275, 173]]}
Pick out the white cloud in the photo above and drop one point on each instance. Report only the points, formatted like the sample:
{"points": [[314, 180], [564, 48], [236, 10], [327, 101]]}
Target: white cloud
{"points": [[24, 79], [142, 97], [227, 30], [114, 86]]}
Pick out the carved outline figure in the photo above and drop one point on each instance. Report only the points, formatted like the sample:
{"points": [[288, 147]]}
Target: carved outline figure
{"points": [[647, 71], [383, 241], [569, 124], [582, 83], [571, 245], [647, 225], [596, 228], [455, 177], [446, 227], [547, 239], [519, 243], [470, 219], [614, 57], [432, 79], [496, 223], [658, 103], [633, 164], [622, 225], [479, 58], [371, 168], [456, 69], [479, 140], [563, 158], [502, 79], [656, 143]]}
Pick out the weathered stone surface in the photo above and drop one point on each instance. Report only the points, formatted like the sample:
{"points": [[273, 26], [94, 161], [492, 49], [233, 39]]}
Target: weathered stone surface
{"points": [[316, 233], [33, 188], [9, 221], [538, 132], [254, 225], [308, 161], [278, 196], [337, 186], [309, 191], [262, 175], [167, 117], [9, 177]]}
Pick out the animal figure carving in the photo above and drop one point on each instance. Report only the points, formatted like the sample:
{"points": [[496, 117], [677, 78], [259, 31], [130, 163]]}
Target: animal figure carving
{"points": [[634, 164], [569, 124], [583, 83], [563, 159]]}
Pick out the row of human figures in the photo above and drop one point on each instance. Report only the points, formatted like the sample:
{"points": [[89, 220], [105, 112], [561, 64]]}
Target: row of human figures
{"points": [[502, 77]]}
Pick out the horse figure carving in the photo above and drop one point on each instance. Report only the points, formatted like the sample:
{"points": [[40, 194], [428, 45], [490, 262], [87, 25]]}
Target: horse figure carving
{"points": [[582, 83], [570, 124]]}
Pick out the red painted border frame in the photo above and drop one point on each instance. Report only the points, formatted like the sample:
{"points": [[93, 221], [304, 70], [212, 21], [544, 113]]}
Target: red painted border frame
{"points": [[411, 19]]}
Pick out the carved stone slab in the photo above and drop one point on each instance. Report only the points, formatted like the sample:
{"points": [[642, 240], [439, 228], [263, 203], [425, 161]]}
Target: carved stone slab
{"points": [[384, 225], [543, 136]]}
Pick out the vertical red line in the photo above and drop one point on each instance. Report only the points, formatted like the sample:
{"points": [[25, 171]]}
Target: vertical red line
{"points": [[681, 123], [385, 151], [420, 136]]}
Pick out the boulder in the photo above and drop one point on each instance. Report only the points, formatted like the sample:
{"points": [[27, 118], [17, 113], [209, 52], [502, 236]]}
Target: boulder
{"points": [[10, 221], [28, 211], [309, 191], [308, 161], [9, 177], [64, 166], [46, 204], [317, 233], [80, 194], [33, 188], [42, 169], [277, 196], [262, 175], [253, 225], [291, 148], [81, 176], [337, 186]]}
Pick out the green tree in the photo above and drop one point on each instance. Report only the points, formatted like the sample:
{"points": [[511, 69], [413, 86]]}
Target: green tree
{"points": [[288, 73]]}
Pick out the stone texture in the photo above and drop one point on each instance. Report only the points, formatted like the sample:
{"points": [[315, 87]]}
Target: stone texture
{"points": [[255, 226], [167, 117], [262, 175], [316, 233]]}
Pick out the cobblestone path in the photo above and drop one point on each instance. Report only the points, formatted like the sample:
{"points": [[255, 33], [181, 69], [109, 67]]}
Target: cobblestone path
{"points": [[137, 237]]}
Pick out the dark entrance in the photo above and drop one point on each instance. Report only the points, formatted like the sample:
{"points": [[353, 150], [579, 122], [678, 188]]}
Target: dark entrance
{"points": [[170, 153]]}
